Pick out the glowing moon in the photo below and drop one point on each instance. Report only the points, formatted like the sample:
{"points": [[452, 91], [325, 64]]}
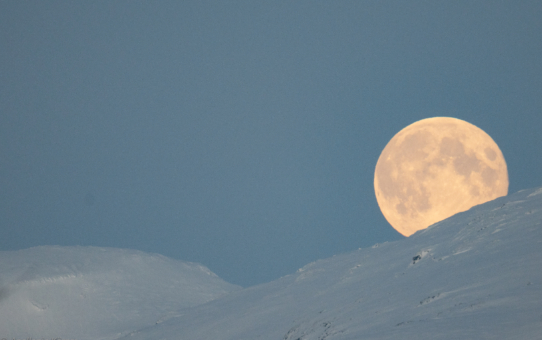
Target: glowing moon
{"points": [[435, 168]]}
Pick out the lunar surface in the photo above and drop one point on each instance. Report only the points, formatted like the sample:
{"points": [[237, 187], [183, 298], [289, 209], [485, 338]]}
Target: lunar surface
{"points": [[436, 168]]}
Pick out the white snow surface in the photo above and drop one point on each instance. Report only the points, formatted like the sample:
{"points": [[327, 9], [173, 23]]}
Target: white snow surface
{"points": [[476, 275], [96, 293]]}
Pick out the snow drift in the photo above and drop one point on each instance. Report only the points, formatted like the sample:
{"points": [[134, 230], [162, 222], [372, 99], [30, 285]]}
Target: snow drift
{"points": [[95, 293], [476, 275]]}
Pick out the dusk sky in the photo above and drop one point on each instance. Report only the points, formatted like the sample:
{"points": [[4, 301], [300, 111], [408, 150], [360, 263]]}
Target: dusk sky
{"points": [[244, 135]]}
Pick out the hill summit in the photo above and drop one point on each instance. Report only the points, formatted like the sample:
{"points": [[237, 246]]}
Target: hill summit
{"points": [[96, 293]]}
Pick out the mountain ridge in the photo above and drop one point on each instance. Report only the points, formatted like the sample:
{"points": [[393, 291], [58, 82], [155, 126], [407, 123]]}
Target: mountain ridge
{"points": [[474, 275]]}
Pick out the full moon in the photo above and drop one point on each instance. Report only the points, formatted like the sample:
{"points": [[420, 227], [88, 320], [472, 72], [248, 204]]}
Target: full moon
{"points": [[436, 168]]}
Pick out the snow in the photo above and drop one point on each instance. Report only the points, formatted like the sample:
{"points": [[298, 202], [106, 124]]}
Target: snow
{"points": [[96, 293], [475, 275]]}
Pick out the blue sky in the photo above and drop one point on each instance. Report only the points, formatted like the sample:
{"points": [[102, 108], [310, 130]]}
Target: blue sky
{"points": [[244, 135]]}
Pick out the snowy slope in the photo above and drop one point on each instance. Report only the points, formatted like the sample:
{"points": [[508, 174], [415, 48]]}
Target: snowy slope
{"points": [[476, 275], [95, 293]]}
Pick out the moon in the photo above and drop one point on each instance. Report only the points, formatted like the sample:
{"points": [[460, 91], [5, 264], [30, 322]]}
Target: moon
{"points": [[436, 168]]}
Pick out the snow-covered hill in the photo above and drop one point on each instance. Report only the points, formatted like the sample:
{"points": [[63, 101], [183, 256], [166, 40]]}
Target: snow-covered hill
{"points": [[96, 293], [476, 275]]}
